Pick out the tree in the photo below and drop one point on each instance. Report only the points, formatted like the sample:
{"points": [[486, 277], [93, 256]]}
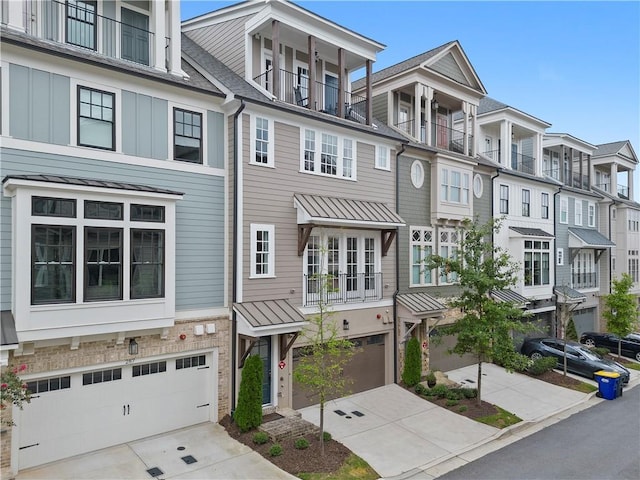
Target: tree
{"points": [[572, 333], [321, 366], [248, 413], [13, 391], [620, 310], [412, 363], [486, 327]]}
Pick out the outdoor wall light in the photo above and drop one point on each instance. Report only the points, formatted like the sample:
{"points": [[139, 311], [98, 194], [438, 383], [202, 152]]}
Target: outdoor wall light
{"points": [[434, 103], [133, 347], [345, 324]]}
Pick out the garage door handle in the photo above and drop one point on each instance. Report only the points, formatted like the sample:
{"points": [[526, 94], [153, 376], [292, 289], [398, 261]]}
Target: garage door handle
{"points": [[203, 405], [124, 409], [128, 410], [203, 368]]}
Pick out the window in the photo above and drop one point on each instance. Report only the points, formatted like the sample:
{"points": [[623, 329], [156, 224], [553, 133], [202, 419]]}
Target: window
{"points": [[187, 136], [417, 174], [454, 186], [101, 376], [560, 256], [149, 368], [49, 384], [526, 203], [478, 186], [262, 143], [81, 23], [106, 256], [262, 250], [382, 157], [634, 264], [544, 202], [343, 267], [536, 262], [337, 155], [564, 210], [583, 270], [504, 199], [191, 362], [578, 215], [421, 249], [448, 247], [592, 214], [96, 118]]}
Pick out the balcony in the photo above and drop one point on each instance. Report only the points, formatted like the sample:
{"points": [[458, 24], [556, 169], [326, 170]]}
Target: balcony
{"points": [[294, 89], [78, 23], [523, 163], [584, 280], [623, 191], [342, 288], [442, 136]]}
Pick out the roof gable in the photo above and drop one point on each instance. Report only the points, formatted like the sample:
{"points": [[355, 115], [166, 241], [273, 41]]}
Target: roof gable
{"points": [[453, 63]]}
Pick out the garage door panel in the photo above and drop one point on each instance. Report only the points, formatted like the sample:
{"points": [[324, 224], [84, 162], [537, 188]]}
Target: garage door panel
{"points": [[441, 359]]}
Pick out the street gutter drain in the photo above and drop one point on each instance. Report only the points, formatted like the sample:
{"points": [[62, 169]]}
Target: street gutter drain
{"points": [[189, 460], [340, 412], [155, 472], [357, 413]]}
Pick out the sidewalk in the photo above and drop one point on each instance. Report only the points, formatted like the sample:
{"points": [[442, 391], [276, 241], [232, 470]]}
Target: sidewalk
{"points": [[405, 437]]}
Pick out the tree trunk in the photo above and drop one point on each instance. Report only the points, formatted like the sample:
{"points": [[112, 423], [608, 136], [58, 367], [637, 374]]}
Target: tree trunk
{"points": [[479, 399], [322, 428], [619, 348]]}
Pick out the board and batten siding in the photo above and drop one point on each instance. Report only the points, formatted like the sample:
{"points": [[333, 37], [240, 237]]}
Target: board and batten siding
{"points": [[199, 219], [225, 41], [144, 126], [39, 105], [268, 199]]}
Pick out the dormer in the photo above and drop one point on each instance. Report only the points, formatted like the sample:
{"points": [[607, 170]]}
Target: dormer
{"points": [[143, 32], [613, 166], [314, 61]]}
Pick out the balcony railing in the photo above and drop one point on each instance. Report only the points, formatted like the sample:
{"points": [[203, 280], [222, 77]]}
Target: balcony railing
{"points": [[78, 23], [623, 191], [603, 186], [294, 89], [441, 136], [553, 173], [584, 280], [523, 163], [577, 181], [342, 288]]}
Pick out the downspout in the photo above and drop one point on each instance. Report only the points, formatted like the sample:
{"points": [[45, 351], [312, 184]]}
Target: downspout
{"points": [[397, 268], [234, 278], [555, 259], [493, 233]]}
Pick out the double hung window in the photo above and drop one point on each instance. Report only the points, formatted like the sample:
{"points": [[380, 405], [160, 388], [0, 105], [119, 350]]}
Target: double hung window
{"points": [[328, 154], [96, 118], [504, 199], [421, 249], [526, 203], [544, 202], [454, 186], [187, 136], [262, 147], [262, 250]]}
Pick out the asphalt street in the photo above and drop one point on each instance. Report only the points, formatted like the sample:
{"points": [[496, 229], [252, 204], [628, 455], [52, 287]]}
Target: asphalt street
{"points": [[602, 442]]}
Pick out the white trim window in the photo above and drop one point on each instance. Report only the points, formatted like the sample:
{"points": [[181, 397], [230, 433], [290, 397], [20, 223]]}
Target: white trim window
{"points": [[328, 154], [536, 263], [262, 141], [578, 212], [504, 199], [583, 270], [634, 264], [187, 136], [448, 244], [544, 205], [96, 118], [454, 186], [421, 244], [382, 157], [564, 210], [526, 202], [349, 264], [592, 214], [263, 251]]}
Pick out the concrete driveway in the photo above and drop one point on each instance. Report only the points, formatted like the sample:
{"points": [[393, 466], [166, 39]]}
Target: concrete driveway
{"points": [[217, 456]]}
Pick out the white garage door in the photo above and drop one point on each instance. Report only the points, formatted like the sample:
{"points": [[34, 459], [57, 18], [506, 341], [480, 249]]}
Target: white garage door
{"points": [[81, 412]]}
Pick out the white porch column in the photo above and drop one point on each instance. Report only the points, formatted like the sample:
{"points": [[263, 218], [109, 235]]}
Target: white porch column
{"points": [[505, 142], [475, 129], [465, 128], [427, 111], [175, 62], [16, 17], [613, 180], [417, 100], [537, 154], [159, 41]]}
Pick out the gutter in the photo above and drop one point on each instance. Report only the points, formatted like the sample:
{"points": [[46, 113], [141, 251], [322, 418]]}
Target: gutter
{"points": [[493, 234], [397, 268], [234, 256]]}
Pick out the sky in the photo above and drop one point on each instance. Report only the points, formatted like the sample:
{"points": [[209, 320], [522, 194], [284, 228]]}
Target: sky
{"points": [[573, 64]]}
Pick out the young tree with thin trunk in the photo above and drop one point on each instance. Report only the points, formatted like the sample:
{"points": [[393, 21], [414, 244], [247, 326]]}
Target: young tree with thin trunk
{"points": [[480, 268], [621, 311], [321, 367]]}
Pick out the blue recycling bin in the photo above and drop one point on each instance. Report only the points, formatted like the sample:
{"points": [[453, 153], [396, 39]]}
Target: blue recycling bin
{"points": [[607, 384]]}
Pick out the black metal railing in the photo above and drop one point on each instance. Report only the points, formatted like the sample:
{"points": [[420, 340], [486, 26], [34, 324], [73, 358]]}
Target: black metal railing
{"points": [[342, 288], [623, 191], [553, 173], [577, 181], [584, 280], [294, 89], [449, 139], [79, 24], [494, 155], [523, 163], [605, 187]]}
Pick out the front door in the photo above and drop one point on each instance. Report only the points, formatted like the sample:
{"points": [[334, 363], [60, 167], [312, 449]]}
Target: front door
{"points": [[135, 37], [330, 94], [263, 349], [442, 134]]}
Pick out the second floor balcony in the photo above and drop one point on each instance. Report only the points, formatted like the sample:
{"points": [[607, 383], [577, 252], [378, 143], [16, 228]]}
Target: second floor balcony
{"points": [[442, 136], [518, 162], [342, 288]]}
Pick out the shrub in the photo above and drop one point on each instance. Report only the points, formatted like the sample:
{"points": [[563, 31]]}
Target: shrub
{"points": [[463, 408], [421, 389], [572, 334], [248, 414], [260, 438], [431, 379], [412, 363], [439, 391], [275, 450], [301, 443], [470, 392], [541, 365], [453, 394], [326, 436], [452, 402]]}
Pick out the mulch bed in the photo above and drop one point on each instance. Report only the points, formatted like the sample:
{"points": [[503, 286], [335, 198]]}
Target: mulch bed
{"points": [[293, 460], [556, 378], [472, 410]]}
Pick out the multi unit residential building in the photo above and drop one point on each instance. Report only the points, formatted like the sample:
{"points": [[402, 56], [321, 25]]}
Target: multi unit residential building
{"points": [[175, 194]]}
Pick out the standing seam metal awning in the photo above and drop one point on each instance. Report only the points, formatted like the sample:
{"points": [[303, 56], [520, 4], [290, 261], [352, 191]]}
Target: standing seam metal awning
{"points": [[508, 295], [587, 238], [531, 232], [421, 303], [269, 317]]}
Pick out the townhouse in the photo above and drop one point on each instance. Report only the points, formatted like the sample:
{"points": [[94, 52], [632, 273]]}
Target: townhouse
{"points": [[312, 193], [112, 247]]}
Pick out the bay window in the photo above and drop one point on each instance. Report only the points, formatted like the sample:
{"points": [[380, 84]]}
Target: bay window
{"points": [[536, 263]]}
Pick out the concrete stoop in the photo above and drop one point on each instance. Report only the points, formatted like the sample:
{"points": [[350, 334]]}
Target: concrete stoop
{"points": [[288, 427]]}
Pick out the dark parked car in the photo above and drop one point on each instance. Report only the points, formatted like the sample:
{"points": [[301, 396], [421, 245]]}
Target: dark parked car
{"points": [[580, 360], [630, 344]]}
